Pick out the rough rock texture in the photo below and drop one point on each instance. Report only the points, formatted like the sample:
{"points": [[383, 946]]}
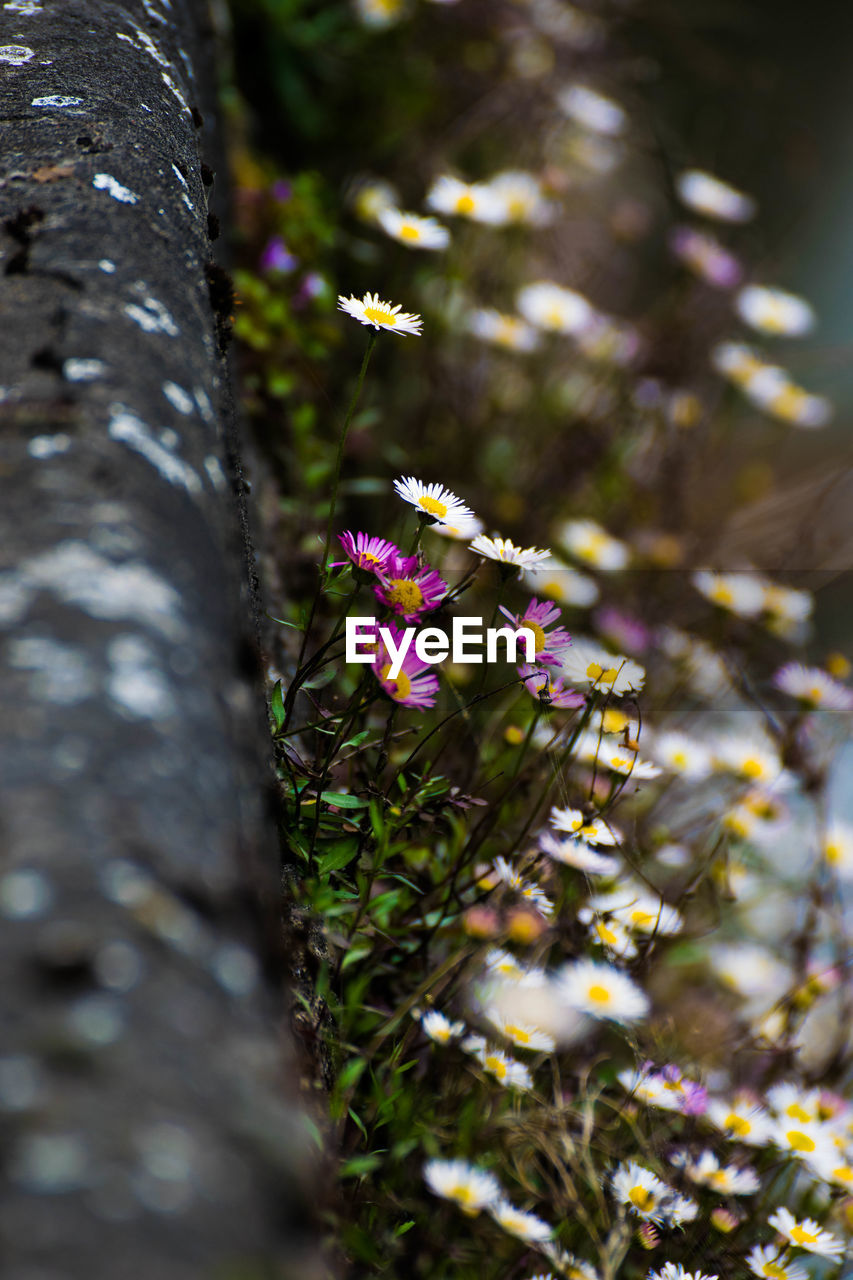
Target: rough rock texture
{"points": [[147, 1122]]}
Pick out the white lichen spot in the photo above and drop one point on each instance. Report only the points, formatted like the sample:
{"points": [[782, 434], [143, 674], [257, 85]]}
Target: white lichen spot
{"points": [[234, 968], [25, 894], [21, 1084], [151, 315], [178, 398], [16, 595], [215, 473], [61, 673], [188, 202], [167, 1151], [144, 108], [79, 576], [49, 446], [135, 683], [50, 1163], [80, 370], [96, 1021], [56, 100], [170, 84], [188, 66], [118, 966], [15, 55], [25, 8], [132, 431], [106, 182], [152, 12], [179, 175], [125, 883], [202, 399], [107, 266], [169, 439]]}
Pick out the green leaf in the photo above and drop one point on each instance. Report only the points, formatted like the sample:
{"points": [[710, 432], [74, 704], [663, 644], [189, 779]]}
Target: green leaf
{"points": [[277, 705], [357, 740], [342, 801], [351, 1072], [404, 1227], [357, 1120], [359, 1165], [337, 854]]}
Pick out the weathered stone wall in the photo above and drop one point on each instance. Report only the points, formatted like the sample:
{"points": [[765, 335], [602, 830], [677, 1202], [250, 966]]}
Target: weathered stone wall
{"points": [[147, 1123]]}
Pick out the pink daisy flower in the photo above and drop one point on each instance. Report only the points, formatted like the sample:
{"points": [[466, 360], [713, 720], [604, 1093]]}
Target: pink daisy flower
{"points": [[408, 588], [542, 685], [538, 615], [366, 552], [415, 685]]}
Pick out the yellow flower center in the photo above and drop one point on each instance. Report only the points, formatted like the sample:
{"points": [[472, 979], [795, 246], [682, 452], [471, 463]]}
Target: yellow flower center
{"points": [[400, 688], [405, 593], [796, 1112], [752, 768], [518, 1034], [598, 994], [721, 593], [641, 1197], [737, 1124], [538, 633], [800, 1141], [606, 934], [553, 317], [642, 919], [613, 721], [409, 232], [844, 1173], [497, 1066], [832, 851], [463, 1194], [517, 207], [593, 544], [800, 1236], [465, 204], [432, 506], [774, 1272], [679, 759], [380, 315], [815, 695], [367, 557], [719, 1178], [600, 675], [788, 403]]}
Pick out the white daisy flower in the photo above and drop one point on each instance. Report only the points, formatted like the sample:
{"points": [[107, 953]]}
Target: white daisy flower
{"points": [[433, 501], [592, 110], [791, 1102], [506, 552], [836, 1168], [806, 1234], [379, 13], [522, 1034], [638, 909], [588, 663], [774, 311], [526, 1226], [770, 1263], [707, 1170], [682, 754], [654, 1088], [471, 1188], [642, 1191], [369, 310], [611, 934], [568, 1265], [558, 582], [460, 531], [787, 605], [578, 854], [520, 197], [530, 892], [601, 990], [675, 1271], [751, 970], [505, 1069], [735, 361], [751, 758], [614, 721], [439, 1028], [368, 195], [591, 830], [715, 199], [618, 758], [588, 541], [837, 848], [806, 1140], [771, 390], [412, 230], [502, 330], [742, 1120], [453, 198], [503, 964], [814, 687], [551, 307], [740, 593]]}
